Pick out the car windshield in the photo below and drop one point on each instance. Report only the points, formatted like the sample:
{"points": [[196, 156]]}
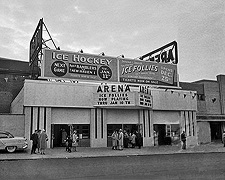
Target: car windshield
{"points": [[10, 135]]}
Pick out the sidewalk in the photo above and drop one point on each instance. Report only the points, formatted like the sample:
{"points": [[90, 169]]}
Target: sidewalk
{"points": [[100, 152]]}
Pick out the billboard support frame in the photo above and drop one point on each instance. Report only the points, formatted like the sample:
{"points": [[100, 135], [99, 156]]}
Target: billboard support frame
{"points": [[37, 44]]}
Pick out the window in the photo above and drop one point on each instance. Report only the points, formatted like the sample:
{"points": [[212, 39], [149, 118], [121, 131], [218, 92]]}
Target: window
{"points": [[168, 130], [5, 135], [201, 97]]}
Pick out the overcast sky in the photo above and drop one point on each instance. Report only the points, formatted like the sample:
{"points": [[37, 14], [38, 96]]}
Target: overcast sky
{"points": [[129, 27]]}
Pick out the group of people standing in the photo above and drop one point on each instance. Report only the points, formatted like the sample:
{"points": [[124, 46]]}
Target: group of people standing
{"points": [[71, 142], [123, 139], [39, 141]]}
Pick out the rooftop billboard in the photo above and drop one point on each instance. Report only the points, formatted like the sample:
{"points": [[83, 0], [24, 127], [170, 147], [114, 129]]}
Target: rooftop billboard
{"points": [[147, 72], [73, 65]]}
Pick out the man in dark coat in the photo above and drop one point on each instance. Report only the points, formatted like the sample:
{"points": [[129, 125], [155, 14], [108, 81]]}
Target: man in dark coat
{"points": [[138, 139], [183, 139], [69, 142], [34, 138]]}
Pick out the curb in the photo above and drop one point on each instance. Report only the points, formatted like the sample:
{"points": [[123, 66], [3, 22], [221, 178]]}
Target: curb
{"points": [[102, 156]]}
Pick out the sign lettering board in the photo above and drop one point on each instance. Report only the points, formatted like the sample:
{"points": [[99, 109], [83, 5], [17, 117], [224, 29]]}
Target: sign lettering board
{"points": [[115, 99], [121, 96], [146, 72], [144, 100], [72, 65], [164, 54]]}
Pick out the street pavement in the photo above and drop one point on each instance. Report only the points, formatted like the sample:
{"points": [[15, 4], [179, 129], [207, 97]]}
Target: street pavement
{"points": [[84, 152]]}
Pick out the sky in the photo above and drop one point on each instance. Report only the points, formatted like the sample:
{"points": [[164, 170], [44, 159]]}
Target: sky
{"points": [[129, 27]]}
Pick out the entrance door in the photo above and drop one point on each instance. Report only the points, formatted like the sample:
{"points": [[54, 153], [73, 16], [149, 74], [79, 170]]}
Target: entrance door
{"points": [[160, 130], [83, 130], [84, 134], [110, 129], [57, 134], [216, 132], [128, 127]]}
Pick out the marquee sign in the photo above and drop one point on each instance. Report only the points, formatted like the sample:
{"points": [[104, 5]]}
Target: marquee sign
{"points": [[74, 65], [146, 72], [121, 96], [165, 54]]}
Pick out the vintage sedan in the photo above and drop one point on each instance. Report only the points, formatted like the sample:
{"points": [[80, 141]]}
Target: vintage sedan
{"points": [[10, 143]]}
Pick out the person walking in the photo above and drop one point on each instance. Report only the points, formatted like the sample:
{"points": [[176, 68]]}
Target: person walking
{"points": [[125, 139], [38, 145], [133, 140], [43, 141], [120, 140], [75, 140], [114, 140], [69, 142], [138, 139], [183, 139], [64, 136], [223, 138], [34, 138]]}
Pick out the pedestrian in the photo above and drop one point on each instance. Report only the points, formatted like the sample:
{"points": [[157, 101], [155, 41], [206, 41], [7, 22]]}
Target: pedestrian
{"points": [[66, 143], [133, 140], [183, 140], [114, 140], [34, 138], [38, 145], [120, 140], [223, 138], [64, 136], [138, 139], [69, 142], [130, 139], [125, 139], [75, 140], [43, 141]]}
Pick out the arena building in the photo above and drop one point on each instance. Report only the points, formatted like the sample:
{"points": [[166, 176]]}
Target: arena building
{"points": [[97, 94]]}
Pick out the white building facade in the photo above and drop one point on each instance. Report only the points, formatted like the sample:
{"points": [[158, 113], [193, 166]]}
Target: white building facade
{"points": [[54, 106]]}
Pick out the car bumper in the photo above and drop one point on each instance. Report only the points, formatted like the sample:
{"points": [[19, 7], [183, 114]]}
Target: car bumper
{"points": [[25, 146]]}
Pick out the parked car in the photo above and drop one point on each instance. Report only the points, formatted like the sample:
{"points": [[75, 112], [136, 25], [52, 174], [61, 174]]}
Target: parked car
{"points": [[10, 143]]}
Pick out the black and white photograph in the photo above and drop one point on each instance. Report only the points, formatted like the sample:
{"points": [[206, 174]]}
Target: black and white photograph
{"points": [[112, 90]]}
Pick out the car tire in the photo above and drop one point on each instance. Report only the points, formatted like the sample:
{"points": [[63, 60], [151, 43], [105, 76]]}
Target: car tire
{"points": [[11, 149]]}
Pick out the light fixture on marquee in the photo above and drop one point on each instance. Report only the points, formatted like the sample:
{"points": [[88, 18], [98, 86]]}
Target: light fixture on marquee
{"points": [[120, 56], [81, 51], [102, 54]]}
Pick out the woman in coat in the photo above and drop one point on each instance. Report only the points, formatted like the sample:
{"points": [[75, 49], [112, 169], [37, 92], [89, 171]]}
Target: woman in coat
{"points": [[133, 140], [120, 140], [43, 141], [114, 139], [75, 140]]}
